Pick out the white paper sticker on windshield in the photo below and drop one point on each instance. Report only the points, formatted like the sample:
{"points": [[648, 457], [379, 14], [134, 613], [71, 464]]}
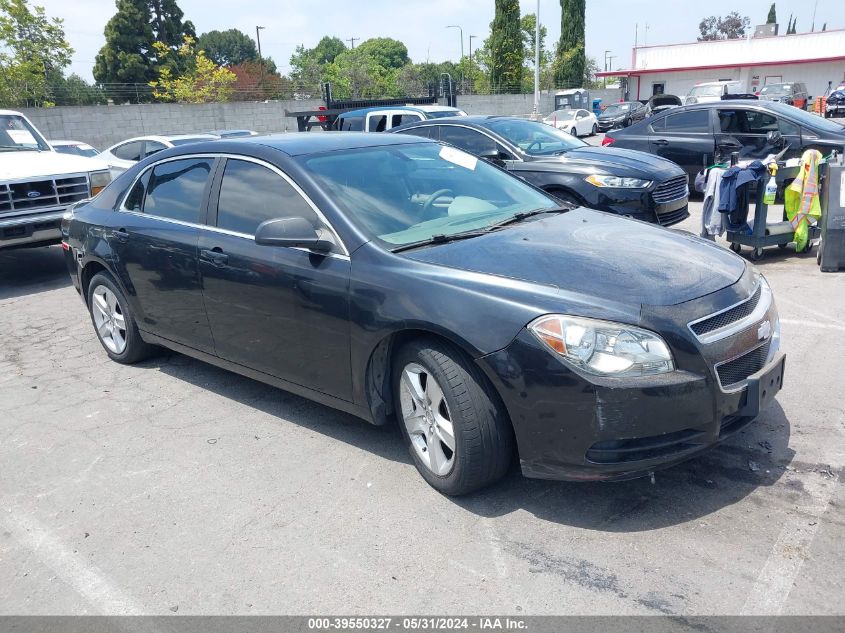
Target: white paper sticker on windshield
{"points": [[22, 137], [459, 158]]}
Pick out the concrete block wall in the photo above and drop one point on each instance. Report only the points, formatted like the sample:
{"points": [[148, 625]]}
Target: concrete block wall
{"points": [[103, 126]]}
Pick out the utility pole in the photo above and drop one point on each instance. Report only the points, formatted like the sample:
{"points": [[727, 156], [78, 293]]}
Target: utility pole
{"points": [[258, 30], [471, 62], [352, 41], [537, 61], [605, 67], [456, 26]]}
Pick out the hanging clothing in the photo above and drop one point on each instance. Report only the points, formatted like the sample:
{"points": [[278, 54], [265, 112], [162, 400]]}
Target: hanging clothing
{"points": [[733, 192], [712, 220], [801, 198]]}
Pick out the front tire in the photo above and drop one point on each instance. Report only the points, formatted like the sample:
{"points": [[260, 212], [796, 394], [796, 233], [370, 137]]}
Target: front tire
{"points": [[458, 433], [595, 130], [573, 132], [114, 322]]}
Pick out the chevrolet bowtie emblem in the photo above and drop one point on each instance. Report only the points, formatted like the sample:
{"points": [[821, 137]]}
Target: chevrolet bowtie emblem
{"points": [[764, 331]]}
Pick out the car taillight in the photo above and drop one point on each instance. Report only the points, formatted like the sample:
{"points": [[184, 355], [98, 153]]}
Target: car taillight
{"points": [[607, 140]]}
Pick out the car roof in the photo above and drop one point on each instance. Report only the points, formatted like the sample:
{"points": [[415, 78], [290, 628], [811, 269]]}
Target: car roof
{"points": [[365, 111], [66, 142], [303, 143]]}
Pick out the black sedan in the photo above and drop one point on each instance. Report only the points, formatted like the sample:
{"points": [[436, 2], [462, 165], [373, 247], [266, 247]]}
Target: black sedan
{"points": [[700, 135], [396, 278], [618, 181], [621, 114]]}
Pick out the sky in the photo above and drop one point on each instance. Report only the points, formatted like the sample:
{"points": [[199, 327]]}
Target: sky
{"points": [[421, 24]]}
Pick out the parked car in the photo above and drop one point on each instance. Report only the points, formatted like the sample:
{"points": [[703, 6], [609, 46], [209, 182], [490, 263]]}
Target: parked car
{"points": [[661, 103], [709, 91], [77, 148], [37, 183], [125, 154], [383, 118], [393, 277], [835, 106], [621, 114], [699, 135], [576, 122], [618, 181], [791, 93], [233, 133]]}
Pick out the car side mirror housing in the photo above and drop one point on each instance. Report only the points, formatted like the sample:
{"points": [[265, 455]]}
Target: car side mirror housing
{"points": [[774, 138], [294, 232], [493, 156]]}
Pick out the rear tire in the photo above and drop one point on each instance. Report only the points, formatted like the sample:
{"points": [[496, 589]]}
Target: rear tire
{"points": [[114, 322], [595, 130], [457, 431], [573, 132]]}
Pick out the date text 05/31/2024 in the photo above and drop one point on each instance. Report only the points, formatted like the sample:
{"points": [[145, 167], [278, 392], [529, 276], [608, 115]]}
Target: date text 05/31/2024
{"points": [[417, 623]]}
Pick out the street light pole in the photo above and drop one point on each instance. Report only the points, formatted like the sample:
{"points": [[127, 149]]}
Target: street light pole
{"points": [[456, 26], [471, 63], [605, 67], [537, 61]]}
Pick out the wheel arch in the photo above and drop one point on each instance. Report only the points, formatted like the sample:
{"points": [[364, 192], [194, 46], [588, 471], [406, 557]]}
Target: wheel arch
{"points": [[378, 375]]}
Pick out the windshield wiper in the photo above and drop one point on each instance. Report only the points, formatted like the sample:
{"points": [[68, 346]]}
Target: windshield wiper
{"points": [[440, 238], [522, 215]]}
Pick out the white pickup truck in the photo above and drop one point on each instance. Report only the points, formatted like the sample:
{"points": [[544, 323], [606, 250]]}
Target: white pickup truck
{"points": [[37, 184]]}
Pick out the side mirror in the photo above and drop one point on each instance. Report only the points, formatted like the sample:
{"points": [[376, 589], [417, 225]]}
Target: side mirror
{"points": [[493, 156], [774, 138], [293, 233]]}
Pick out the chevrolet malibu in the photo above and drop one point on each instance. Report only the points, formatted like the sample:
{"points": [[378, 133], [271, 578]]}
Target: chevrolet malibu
{"points": [[396, 278]]}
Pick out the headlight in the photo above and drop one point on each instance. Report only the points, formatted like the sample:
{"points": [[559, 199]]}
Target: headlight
{"points": [[98, 180], [604, 348], [617, 182]]}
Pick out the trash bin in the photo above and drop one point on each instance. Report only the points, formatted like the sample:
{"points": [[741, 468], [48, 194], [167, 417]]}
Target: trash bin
{"points": [[831, 253], [597, 107]]}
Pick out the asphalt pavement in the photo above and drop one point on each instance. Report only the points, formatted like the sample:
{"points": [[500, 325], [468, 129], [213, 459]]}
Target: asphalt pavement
{"points": [[173, 486]]}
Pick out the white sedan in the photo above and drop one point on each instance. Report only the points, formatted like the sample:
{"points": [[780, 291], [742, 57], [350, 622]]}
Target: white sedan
{"points": [[126, 153], [576, 122]]}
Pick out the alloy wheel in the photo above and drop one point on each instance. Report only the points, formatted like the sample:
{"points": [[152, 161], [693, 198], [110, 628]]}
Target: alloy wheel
{"points": [[425, 413], [109, 319]]}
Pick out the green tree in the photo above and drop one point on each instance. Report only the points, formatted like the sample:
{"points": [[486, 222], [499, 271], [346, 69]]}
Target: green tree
{"points": [[32, 46], [571, 57], [506, 47], [327, 49], [203, 82], [356, 73], [733, 26], [129, 55], [72, 90], [386, 52], [773, 15], [528, 24], [308, 64], [228, 48]]}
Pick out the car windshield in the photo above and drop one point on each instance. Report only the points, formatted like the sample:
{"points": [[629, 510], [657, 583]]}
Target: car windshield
{"points": [[17, 134], [534, 138], [617, 108], [707, 91], [404, 194], [561, 115], [812, 121], [76, 150], [775, 90]]}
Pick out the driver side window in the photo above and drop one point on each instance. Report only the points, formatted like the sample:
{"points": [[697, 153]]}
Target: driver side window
{"points": [[468, 140], [251, 193]]}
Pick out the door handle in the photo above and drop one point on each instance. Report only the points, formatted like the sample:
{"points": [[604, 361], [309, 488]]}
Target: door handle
{"points": [[121, 235], [661, 141], [215, 256], [731, 145]]}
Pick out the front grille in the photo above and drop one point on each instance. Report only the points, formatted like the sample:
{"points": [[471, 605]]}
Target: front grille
{"points": [[40, 194], [734, 372], [737, 313], [671, 190], [673, 217]]}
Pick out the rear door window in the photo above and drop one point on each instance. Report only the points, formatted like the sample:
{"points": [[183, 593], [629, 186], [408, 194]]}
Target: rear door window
{"points": [[129, 151], [692, 122], [251, 193], [177, 189], [153, 147], [467, 139]]}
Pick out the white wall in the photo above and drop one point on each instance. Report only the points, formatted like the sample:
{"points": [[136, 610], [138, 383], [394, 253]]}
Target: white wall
{"points": [[816, 75]]}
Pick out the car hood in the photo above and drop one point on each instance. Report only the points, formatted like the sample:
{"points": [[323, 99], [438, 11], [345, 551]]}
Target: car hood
{"points": [[591, 253], [32, 164], [616, 161]]}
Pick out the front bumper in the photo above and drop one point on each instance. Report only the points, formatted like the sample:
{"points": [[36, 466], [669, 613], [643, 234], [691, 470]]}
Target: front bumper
{"points": [[38, 229], [605, 126], [638, 204], [570, 426]]}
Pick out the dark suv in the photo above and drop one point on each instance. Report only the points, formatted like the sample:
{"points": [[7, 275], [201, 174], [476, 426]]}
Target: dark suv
{"points": [[791, 93]]}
